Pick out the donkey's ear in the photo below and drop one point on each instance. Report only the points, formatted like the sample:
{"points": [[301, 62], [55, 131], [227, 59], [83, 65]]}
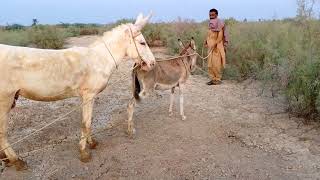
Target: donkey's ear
{"points": [[139, 18], [180, 43], [142, 21], [193, 43]]}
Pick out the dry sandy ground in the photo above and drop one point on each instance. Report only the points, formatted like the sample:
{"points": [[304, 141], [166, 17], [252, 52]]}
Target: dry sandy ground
{"points": [[231, 132]]}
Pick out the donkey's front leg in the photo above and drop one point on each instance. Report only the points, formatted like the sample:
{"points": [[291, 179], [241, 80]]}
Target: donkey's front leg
{"points": [[87, 106], [171, 101], [131, 130], [181, 89], [8, 154]]}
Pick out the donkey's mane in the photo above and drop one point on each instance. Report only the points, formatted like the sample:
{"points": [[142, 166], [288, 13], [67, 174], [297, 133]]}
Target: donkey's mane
{"points": [[111, 33]]}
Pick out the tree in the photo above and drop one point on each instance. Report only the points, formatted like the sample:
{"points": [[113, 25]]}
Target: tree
{"points": [[305, 9], [35, 22]]}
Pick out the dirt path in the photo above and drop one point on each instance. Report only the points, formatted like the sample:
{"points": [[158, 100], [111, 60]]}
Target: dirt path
{"points": [[231, 132]]}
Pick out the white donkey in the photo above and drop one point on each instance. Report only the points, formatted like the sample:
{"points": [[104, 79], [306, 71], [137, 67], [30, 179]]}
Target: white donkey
{"points": [[51, 75]]}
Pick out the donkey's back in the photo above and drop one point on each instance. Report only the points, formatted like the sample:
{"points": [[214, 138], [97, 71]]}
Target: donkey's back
{"points": [[165, 75], [42, 74]]}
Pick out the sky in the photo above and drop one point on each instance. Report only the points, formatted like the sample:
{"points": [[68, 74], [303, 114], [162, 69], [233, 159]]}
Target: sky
{"points": [[106, 11]]}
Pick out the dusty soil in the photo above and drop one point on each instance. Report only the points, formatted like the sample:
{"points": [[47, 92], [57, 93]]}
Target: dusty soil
{"points": [[232, 131]]}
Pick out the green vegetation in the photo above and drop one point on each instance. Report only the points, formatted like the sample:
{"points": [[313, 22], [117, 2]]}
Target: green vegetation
{"points": [[16, 37], [46, 36]]}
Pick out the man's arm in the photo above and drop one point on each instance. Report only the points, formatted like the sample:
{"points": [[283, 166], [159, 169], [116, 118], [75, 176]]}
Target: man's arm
{"points": [[219, 39], [205, 43]]}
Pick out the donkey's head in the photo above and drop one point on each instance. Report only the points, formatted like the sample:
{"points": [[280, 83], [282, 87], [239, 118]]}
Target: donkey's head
{"points": [[138, 48], [189, 49]]}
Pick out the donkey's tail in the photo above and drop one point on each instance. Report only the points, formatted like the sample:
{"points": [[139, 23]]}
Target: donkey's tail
{"points": [[135, 85]]}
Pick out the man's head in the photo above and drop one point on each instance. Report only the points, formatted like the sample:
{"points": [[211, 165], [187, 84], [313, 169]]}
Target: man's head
{"points": [[213, 13]]}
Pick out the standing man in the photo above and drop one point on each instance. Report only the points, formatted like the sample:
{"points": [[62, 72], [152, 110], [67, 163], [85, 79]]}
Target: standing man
{"points": [[216, 42]]}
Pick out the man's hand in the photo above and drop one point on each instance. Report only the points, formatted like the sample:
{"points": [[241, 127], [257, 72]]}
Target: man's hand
{"points": [[205, 44], [215, 46]]}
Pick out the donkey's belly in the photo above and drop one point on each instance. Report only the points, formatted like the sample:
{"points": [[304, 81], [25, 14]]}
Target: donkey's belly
{"points": [[164, 86], [48, 86], [49, 90], [39, 94]]}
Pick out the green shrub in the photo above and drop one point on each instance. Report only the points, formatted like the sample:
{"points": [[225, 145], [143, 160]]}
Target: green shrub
{"points": [[14, 27], [15, 38], [156, 34], [89, 31], [121, 21], [79, 29], [47, 37], [304, 88], [72, 31], [231, 72]]}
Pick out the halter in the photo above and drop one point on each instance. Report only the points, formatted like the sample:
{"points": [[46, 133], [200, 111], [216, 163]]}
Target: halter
{"points": [[134, 42], [114, 60], [185, 51], [185, 48]]}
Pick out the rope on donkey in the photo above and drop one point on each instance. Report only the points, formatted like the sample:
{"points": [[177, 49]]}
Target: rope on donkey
{"points": [[183, 56]]}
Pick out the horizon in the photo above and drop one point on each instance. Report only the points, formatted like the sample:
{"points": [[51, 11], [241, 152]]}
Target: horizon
{"points": [[101, 12], [171, 21]]}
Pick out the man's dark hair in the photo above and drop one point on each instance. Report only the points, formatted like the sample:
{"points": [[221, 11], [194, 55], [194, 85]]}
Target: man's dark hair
{"points": [[214, 10]]}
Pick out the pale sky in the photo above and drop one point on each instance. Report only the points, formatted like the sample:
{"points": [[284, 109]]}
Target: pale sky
{"points": [[106, 11]]}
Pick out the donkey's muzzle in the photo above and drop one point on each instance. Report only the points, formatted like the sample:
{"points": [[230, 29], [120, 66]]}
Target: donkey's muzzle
{"points": [[148, 67]]}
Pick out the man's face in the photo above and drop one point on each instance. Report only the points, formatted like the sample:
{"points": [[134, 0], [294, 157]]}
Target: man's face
{"points": [[213, 15]]}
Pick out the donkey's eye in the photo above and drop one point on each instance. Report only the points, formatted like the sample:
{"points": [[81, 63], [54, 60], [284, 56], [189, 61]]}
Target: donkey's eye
{"points": [[143, 43]]}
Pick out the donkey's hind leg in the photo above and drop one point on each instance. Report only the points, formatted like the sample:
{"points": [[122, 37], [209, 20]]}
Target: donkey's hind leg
{"points": [[171, 101], [131, 130], [16, 96], [5, 106], [181, 89]]}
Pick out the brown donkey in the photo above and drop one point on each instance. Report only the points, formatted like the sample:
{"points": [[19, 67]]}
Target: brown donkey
{"points": [[166, 75]]}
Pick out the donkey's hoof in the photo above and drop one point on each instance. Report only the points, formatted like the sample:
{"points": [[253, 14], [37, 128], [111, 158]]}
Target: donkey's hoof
{"points": [[5, 159], [183, 118], [131, 133], [159, 96], [85, 156], [20, 165], [93, 144]]}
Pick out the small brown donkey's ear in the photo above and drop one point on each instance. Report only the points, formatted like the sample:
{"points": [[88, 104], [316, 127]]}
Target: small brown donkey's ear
{"points": [[193, 43], [180, 43]]}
